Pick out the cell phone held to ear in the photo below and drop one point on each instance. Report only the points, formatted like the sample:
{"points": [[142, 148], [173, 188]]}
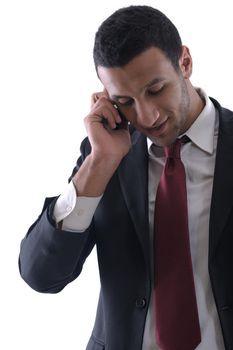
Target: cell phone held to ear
{"points": [[124, 122]]}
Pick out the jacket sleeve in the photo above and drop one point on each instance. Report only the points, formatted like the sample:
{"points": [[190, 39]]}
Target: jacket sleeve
{"points": [[49, 257]]}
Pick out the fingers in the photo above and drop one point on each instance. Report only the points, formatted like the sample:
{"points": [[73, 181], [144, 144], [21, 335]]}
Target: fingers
{"points": [[104, 109], [97, 95]]}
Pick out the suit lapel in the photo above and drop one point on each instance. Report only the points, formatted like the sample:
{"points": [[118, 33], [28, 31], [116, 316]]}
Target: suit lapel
{"points": [[133, 176], [222, 202]]}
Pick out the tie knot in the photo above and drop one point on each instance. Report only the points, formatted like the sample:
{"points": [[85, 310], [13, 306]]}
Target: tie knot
{"points": [[173, 151]]}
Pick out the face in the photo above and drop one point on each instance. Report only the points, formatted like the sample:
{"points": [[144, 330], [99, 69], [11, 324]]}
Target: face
{"points": [[152, 95]]}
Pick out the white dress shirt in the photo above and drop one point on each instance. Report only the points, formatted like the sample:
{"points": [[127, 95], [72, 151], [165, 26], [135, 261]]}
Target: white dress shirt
{"points": [[198, 157]]}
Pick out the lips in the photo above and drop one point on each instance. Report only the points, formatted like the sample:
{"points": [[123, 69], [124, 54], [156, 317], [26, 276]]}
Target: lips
{"points": [[160, 125], [157, 131]]}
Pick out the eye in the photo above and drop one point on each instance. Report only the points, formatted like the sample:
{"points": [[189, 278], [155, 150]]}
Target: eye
{"points": [[123, 101], [155, 90]]}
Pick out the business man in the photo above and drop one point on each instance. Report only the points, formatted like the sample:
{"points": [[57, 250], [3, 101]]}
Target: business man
{"points": [[153, 191]]}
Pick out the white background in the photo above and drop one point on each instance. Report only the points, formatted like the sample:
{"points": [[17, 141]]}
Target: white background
{"points": [[46, 79]]}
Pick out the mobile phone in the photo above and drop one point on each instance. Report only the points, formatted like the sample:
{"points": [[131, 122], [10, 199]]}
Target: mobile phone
{"points": [[124, 122]]}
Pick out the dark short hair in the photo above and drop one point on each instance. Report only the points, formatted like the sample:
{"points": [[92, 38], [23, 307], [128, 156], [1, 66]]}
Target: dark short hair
{"points": [[130, 31]]}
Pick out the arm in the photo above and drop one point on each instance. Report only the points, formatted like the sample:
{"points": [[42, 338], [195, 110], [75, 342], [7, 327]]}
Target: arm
{"points": [[110, 142], [50, 257]]}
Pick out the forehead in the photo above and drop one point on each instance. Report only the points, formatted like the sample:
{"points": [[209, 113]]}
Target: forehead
{"points": [[151, 64]]}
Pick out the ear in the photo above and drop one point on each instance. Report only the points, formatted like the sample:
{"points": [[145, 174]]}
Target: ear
{"points": [[106, 93], [186, 63]]}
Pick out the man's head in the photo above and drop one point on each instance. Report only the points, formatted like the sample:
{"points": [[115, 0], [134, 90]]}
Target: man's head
{"points": [[132, 30], [145, 70]]}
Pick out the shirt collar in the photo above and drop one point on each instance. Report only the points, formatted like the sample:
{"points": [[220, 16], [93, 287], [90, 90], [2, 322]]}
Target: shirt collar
{"points": [[201, 132]]}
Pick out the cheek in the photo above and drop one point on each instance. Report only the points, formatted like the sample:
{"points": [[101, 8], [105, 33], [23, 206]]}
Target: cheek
{"points": [[174, 105], [173, 96], [130, 114], [171, 101]]}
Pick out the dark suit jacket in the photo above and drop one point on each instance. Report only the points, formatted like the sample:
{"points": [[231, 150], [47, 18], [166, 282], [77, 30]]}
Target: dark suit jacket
{"points": [[51, 258]]}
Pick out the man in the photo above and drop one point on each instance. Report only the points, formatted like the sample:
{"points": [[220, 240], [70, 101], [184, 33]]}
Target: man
{"points": [[113, 199]]}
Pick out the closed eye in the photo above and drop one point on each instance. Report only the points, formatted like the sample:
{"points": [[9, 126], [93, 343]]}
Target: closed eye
{"points": [[125, 101], [154, 92]]}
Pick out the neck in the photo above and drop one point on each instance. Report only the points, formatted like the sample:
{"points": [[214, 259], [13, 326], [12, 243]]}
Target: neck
{"points": [[197, 103]]}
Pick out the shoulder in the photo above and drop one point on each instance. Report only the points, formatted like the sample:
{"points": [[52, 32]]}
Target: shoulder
{"points": [[225, 118], [223, 112]]}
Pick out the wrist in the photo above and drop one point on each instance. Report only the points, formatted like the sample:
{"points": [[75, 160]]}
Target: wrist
{"points": [[106, 162], [94, 175]]}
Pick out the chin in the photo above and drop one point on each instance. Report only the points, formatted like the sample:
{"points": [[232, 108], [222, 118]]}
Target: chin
{"points": [[164, 141]]}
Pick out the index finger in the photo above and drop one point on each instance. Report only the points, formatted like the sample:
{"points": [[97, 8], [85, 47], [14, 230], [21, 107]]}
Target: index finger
{"points": [[97, 95]]}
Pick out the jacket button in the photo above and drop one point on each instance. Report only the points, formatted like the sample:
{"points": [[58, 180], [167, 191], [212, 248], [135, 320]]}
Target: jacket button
{"points": [[140, 303]]}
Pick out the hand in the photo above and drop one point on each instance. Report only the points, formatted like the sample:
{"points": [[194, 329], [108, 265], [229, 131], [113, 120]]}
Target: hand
{"points": [[107, 129], [110, 142]]}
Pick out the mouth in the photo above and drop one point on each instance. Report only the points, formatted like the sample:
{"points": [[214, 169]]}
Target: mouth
{"points": [[159, 130]]}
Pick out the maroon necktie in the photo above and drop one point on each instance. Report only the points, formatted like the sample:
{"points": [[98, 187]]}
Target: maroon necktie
{"points": [[177, 323]]}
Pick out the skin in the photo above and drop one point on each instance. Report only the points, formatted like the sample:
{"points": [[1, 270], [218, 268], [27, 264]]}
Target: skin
{"points": [[156, 98]]}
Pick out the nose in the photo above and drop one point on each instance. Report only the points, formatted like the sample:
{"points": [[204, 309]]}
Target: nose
{"points": [[147, 114]]}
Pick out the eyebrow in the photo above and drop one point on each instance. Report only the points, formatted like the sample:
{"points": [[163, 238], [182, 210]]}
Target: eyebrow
{"points": [[154, 82], [148, 85]]}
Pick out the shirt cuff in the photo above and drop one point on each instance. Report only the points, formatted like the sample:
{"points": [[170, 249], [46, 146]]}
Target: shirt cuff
{"points": [[75, 212]]}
